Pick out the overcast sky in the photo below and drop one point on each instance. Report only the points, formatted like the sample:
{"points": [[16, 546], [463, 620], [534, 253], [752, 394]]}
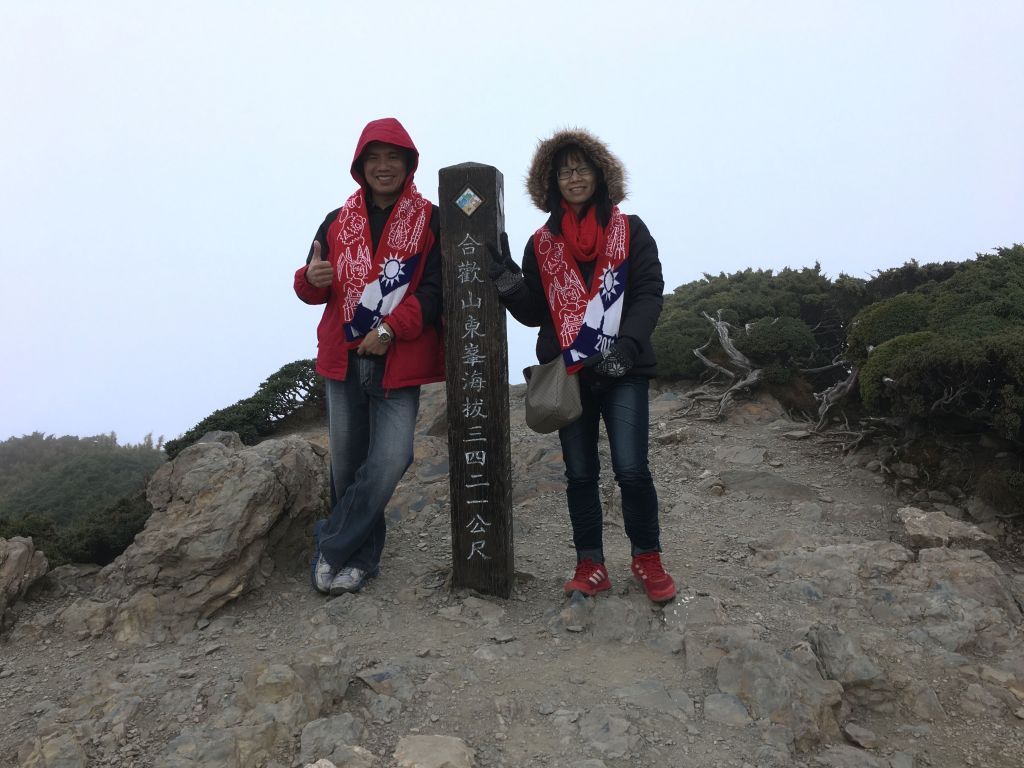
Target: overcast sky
{"points": [[163, 167]]}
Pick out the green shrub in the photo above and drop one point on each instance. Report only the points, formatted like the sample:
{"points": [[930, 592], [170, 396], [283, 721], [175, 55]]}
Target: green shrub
{"points": [[885, 363], [780, 341], [885, 320], [40, 528], [98, 537], [1003, 490], [806, 296], [986, 295], [889, 283], [953, 350], [936, 376], [294, 386], [103, 535], [1004, 358], [68, 477], [679, 333]]}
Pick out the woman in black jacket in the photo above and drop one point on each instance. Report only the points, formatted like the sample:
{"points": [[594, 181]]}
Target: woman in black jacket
{"points": [[591, 281]]}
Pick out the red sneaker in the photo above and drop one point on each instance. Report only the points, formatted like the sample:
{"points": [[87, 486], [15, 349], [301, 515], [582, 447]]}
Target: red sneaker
{"points": [[590, 578], [659, 585]]}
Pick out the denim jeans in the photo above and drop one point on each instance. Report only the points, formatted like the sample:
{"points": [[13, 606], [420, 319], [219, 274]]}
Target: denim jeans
{"points": [[371, 441], [623, 405]]}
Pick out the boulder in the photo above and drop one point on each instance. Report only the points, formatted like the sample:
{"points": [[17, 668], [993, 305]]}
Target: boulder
{"points": [[740, 454], [654, 696], [965, 574], [276, 701], [833, 567], [935, 529], [847, 757], [433, 752], [20, 567], [57, 750], [605, 729], [843, 660], [332, 737], [784, 688], [727, 709], [224, 515]]}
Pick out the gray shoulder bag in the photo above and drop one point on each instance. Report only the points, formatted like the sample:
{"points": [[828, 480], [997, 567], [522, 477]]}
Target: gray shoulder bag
{"points": [[552, 396]]}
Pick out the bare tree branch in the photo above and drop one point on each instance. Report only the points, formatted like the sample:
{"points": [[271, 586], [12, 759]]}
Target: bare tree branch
{"points": [[949, 396], [708, 362], [722, 328], [729, 396], [745, 377], [829, 397], [837, 362]]}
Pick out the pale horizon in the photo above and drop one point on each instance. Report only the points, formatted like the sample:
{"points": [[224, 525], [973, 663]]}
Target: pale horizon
{"points": [[165, 166]]}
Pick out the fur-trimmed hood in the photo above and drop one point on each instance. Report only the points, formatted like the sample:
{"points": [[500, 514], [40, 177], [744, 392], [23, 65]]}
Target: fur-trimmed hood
{"points": [[539, 176]]}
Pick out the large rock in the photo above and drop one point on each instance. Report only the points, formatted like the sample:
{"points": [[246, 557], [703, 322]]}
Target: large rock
{"points": [[20, 567], [957, 599], [969, 573], [706, 631], [962, 600], [784, 688], [433, 752], [935, 529], [59, 750], [223, 515], [333, 738], [605, 729], [843, 660], [833, 567], [655, 697], [765, 485], [276, 701]]}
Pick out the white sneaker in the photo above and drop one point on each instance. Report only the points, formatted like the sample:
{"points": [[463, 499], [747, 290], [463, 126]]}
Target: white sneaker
{"points": [[323, 575], [349, 579]]}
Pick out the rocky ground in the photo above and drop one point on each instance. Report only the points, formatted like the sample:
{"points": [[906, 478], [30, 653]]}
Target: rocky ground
{"points": [[814, 627]]}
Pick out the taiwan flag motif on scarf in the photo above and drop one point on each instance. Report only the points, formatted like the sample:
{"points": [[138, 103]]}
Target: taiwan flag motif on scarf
{"points": [[586, 322], [374, 285]]}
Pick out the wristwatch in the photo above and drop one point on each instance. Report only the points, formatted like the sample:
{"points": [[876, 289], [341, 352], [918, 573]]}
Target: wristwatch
{"points": [[384, 336]]}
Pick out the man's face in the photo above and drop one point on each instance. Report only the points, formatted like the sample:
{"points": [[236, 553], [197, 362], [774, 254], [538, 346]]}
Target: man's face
{"points": [[385, 169]]}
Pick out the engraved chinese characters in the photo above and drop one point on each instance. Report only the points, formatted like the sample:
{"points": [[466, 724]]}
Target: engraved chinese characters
{"points": [[473, 407], [477, 382]]}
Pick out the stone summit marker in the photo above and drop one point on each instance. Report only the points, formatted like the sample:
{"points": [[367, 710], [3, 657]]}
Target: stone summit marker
{"points": [[472, 206]]}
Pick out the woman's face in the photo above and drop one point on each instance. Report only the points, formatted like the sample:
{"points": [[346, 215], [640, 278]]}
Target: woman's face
{"points": [[577, 180]]}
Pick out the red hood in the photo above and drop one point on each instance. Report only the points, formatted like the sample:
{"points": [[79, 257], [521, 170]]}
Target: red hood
{"points": [[390, 131]]}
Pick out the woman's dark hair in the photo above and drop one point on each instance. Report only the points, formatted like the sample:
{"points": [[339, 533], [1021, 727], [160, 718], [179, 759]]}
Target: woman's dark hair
{"points": [[601, 200]]}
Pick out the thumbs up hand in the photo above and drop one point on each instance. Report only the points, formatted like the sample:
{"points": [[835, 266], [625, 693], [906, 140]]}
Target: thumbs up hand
{"points": [[318, 271]]}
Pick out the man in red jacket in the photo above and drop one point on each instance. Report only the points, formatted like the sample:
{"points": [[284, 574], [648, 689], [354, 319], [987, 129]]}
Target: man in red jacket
{"points": [[375, 262]]}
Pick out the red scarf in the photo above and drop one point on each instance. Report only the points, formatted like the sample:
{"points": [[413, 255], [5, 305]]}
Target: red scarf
{"points": [[583, 237], [373, 285], [584, 324]]}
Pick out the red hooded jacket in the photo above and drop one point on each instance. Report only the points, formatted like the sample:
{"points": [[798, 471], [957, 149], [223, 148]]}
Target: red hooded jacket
{"points": [[416, 356]]}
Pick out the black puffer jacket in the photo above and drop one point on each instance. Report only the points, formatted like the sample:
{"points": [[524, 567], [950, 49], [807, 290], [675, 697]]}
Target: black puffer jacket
{"points": [[645, 286], [641, 303]]}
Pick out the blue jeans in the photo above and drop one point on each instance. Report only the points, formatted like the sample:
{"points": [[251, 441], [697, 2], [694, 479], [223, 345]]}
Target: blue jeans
{"points": [[623, 405], [371, 440]]}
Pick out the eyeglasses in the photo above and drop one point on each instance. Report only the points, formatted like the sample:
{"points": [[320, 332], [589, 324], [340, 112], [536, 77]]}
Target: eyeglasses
{"points": [[583, 171]]}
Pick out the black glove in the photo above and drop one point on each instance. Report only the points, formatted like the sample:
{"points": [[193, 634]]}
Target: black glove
{"points": [[501, 261], [615, 362], [505, 273]]}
